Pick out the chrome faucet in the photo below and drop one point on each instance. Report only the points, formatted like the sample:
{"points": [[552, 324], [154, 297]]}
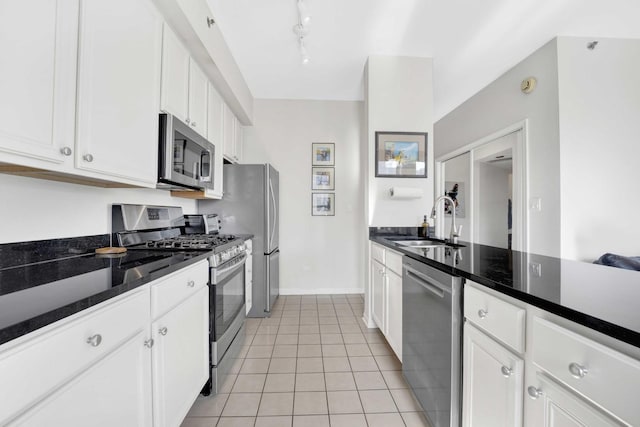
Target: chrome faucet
{"points": [[455, 231]]}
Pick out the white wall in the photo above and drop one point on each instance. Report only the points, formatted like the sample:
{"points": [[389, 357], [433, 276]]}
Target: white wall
{"points": [[502, 104], [318, 254], [35, 209], [600, 149], [399, 96]]}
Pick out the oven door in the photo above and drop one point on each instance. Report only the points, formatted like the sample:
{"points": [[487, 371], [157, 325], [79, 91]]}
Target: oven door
{"points": [[227, 302], [185, 157]]}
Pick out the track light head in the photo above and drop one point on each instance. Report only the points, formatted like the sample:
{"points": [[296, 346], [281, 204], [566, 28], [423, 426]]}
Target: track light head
{"points": [[303, 13]]}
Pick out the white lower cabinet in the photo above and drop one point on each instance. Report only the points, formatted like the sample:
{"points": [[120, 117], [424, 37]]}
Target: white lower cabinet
{"points": [[378, 292], [180, 358], [555, 406], [525, 366], [112, 365], [386, 294], [394, 312], [115, 391], [492, 382]]}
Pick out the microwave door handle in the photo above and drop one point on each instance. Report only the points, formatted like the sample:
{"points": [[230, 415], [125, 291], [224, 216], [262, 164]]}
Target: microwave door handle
{"points": [[208, 177], [196, 170]]}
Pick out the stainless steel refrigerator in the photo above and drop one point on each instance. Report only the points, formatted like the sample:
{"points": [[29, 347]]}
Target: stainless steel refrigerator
{"points": [[250, 206]]}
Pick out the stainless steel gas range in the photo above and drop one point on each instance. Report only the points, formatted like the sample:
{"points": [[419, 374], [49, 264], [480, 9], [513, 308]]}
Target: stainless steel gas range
{"points": [[162, 228]]}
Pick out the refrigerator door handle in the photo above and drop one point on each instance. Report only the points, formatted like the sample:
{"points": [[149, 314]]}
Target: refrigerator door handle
{"points": [[267, 298], [275, 215]]}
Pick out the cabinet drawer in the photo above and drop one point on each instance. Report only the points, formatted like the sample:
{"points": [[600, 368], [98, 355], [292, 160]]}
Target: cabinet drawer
{"points": [[32, 369], [377, 253], [496, 317], [610, 380], [394, 261], [175, 288]]}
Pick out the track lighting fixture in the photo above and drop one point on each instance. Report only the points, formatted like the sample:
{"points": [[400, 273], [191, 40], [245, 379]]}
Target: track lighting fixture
{"points": [[301, 30]]}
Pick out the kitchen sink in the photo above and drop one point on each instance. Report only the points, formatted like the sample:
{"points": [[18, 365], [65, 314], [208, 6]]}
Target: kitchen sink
{"points": [[419, 243], [425, 243]]}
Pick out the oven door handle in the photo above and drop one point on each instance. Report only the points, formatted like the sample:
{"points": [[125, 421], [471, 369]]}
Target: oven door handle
{"points": [[234, 266]]}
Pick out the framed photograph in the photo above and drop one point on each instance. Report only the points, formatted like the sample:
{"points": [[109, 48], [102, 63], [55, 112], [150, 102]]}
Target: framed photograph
{"points": [[322, 179], [322, 154], [323, 204], [401, 154]]}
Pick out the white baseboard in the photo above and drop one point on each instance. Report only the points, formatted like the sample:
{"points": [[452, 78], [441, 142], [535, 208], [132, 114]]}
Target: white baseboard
{"points": [[323, 291]]}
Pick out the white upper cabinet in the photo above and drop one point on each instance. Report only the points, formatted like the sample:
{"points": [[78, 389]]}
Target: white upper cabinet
{"points": [[215, 106], [119, 89], [174, 97], [38, 41], [184, 85], [232, 135], [197, 98]]}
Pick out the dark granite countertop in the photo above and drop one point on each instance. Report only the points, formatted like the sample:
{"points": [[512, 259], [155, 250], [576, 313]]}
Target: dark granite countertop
{"points": [[603, 298], [36, 291]]}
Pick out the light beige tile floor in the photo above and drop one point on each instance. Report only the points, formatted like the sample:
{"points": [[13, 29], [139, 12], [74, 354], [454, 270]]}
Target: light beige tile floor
{"points": [[312, 363]]}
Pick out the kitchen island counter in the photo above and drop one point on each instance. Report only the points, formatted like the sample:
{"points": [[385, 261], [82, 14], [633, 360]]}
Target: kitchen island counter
{"points": [[602, 298]]}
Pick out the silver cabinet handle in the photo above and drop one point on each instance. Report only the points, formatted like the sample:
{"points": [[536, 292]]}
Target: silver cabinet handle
{"points": [[191, 283], [194, 124], [506, 371], [533, 392], [577, 371], [210, 22], [66, 151], [94, 340], [163, 331], [482, 313], [149, 343], [88, 158], [188, 120]]}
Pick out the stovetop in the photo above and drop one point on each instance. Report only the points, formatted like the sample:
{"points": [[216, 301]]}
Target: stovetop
{"points": [[217, 242]]}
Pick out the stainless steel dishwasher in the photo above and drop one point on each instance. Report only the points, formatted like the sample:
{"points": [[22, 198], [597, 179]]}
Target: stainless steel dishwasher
{"points": [[432, 340]]}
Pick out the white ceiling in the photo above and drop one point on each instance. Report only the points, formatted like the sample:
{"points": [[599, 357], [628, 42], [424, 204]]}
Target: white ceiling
{"points": [[472, 42]]}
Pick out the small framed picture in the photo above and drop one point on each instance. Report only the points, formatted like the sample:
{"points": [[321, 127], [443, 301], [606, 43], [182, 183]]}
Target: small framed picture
{"points": [[322, 154], [323, 204], [401, 154], [322, 179]]}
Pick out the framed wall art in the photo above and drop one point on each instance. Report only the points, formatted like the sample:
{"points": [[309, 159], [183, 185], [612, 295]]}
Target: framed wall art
{"points": [[323, 204], [323, 154], [322, 178], [401, 154]]}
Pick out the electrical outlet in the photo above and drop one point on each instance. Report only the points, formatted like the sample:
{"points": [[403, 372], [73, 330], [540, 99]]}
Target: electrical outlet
{"points": [[535, 269]]}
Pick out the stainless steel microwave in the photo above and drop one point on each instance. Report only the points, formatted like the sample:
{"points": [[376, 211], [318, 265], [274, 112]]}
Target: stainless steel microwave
{"points": [[185, 159]]}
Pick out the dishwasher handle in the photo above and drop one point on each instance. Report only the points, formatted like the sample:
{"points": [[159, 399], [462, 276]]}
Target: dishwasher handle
{"points": [[424, 281]]}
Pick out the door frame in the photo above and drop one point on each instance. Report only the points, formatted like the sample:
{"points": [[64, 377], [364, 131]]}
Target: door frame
{"points": [[520, 181]]}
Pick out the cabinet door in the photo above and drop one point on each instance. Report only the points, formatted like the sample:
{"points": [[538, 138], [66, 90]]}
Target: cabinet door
{"points": [[197, 98], [492, 382], [118, 89], [394, 312], [551, 405], [379, 282], [228, 132], [174, 98], [214, 135], [239, 141], [180, 358], [38, 45], [116, 391]]}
